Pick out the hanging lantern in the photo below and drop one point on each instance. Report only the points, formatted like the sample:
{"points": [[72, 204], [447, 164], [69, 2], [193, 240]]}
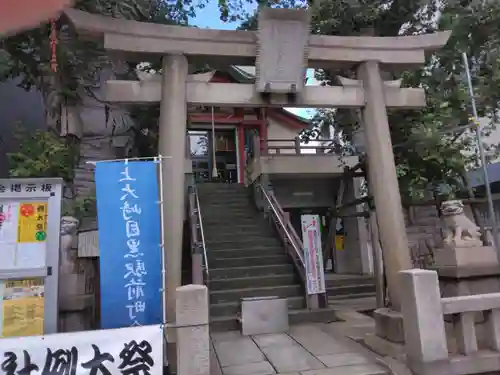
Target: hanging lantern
{"points": [[53, 45]]}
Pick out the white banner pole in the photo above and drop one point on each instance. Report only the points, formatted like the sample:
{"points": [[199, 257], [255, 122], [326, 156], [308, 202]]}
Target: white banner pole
{"points": [[162, 244]]}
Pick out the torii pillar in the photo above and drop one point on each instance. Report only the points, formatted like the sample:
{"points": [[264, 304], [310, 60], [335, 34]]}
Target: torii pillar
{"points": [[172, 143], [383, 180], [383, 183]]}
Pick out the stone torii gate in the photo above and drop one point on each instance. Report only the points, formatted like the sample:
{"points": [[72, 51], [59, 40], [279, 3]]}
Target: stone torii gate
{"points": [[281, 50]]}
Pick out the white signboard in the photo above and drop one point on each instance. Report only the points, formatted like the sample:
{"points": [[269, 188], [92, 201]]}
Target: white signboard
{"points": [[127, 351], [24, 213], [313, 256], [30, 220]]}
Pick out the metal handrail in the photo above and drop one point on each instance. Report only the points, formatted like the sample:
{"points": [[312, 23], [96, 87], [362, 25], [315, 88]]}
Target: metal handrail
{"points": [[275, 211], [200, 221]]}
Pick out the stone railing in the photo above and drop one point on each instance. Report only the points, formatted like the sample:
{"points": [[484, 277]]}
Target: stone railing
{"points": [[191, 330], [426, 341], [296, 147]]}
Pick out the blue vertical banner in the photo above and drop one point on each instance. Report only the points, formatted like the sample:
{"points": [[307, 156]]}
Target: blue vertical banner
{"points": [[129, 243]]}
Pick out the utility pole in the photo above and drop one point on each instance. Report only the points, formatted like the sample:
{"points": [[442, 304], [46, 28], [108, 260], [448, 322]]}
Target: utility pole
{"points": [[491, 209]]}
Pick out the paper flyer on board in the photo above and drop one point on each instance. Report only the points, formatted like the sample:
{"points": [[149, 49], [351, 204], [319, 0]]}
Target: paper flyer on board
{"points": [[22, 308], [23, 234]]}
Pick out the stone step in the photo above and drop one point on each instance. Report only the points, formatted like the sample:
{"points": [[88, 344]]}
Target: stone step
{"points": [[253, 282], [210, 215], [295, 316], [253, 228], [228, 210], [223, 220], [227, 191], [344, 290], [257, 223], [225, 198], [243, 253], [250, 261], [339, 280], [326, 315], [240, 242], [338, 298], [229, 273], [223, 202], [237, 235], [361, 304], [218, 193], [235, 295], [234, 308], [224, 323], [222, 234], [217, 186]]}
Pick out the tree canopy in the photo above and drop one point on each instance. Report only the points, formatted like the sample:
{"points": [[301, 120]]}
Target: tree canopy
{"points": [[432, 145], [429, 144]]}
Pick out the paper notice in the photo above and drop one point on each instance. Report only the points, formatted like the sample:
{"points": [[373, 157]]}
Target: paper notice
{"points": [[32, 222], [23, 308], [8, 255], [9, 213], [31, 255]]}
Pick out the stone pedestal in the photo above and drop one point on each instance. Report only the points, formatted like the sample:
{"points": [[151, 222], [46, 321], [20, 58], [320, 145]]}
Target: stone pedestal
{"points": [[388, 340], [476, 256], [465, 271], [468, 280], [389, 325]]}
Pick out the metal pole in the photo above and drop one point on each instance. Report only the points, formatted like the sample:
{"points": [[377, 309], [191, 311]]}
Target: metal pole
{"points": [[162, 245], [491, 209]]}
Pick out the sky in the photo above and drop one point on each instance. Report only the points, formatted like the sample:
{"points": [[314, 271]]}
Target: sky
{"points": [[209, 18]]}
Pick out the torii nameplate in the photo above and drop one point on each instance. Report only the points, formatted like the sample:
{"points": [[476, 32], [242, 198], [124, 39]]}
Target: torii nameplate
{"points": [[281, 62]]}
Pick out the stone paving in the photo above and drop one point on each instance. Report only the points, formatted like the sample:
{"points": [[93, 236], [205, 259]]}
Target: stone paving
{"points": [[309, 349]]}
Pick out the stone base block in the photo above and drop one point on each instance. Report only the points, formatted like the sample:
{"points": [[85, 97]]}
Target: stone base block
{"points": [[261, 315], [468, 281], [465, 256], [469, 287], [389, 325], [385, 348]]}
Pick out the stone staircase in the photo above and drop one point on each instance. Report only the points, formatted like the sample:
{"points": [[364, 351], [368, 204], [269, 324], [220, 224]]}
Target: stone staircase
{"points": [[354, 292], [245, 258]]}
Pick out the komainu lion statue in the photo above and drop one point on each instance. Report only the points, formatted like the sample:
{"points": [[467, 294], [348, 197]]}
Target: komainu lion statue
{"points": [[459, 229], [69, 228]]}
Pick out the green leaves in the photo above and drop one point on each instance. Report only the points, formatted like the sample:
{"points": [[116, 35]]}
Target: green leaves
{"points": [[42, 154], [431, 145], [429, 150]]}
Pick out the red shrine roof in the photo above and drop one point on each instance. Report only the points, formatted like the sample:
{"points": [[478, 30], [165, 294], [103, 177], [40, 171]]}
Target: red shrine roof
{"points": [[235, 74]]}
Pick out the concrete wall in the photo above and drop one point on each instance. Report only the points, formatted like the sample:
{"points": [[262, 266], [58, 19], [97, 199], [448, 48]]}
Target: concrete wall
{"points": [[423, 227], [305, 192], [276, 130], [311, 166], [356, 255], [423, 224], [79, 293], [320, 194]]}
